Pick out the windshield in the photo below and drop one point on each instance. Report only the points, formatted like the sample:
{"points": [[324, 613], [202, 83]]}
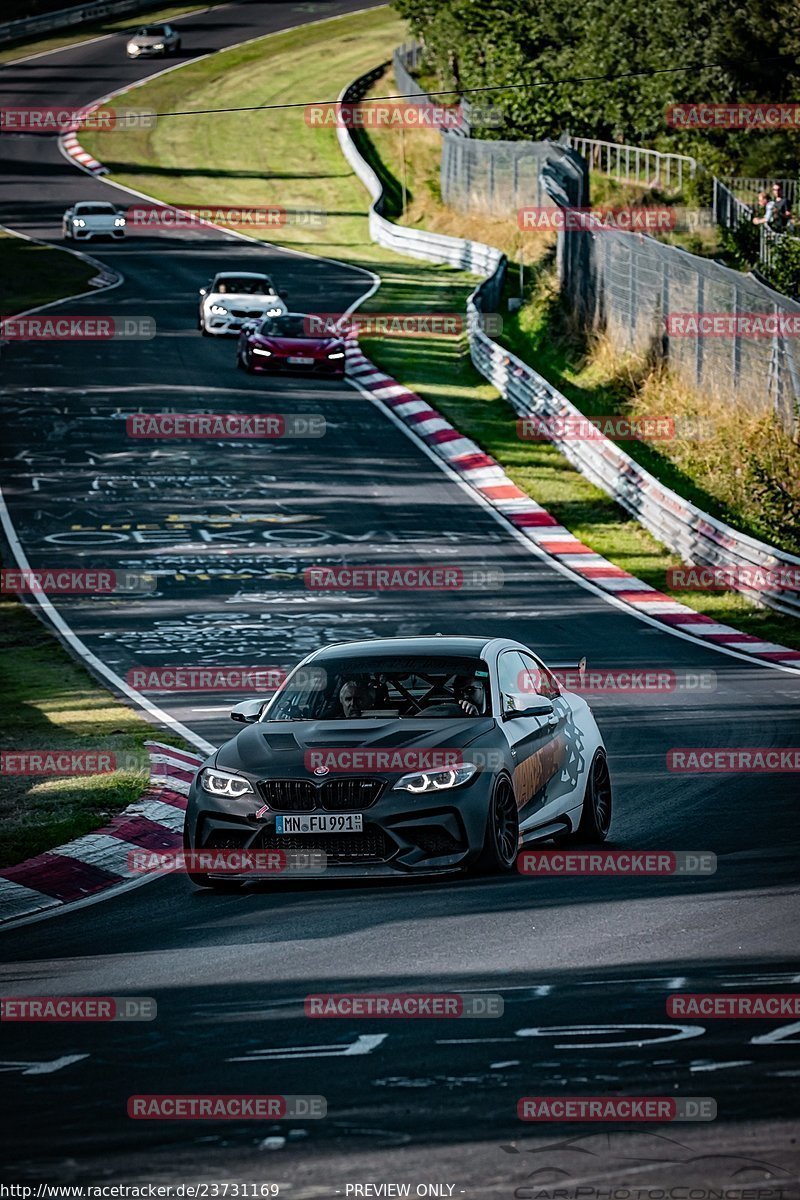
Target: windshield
{"points": [[289, 325], [96, 210], [382, 688], [152, 31], [241, 284]]}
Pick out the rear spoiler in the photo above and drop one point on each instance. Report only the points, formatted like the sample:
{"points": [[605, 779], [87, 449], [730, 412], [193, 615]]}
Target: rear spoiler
{"points": [[569, 668]]}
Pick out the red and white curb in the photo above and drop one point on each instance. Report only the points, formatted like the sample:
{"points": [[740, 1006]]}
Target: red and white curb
{"points": [[97, 864], [71, 146], [485, 476]]}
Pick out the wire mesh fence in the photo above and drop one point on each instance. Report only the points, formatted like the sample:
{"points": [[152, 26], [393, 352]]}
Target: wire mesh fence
{"points": [[493, 177], [722, 332]]}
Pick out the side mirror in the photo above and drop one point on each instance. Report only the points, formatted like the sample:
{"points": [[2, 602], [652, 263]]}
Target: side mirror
{"points": [[203, 291], [247, 711], [539, 706]]}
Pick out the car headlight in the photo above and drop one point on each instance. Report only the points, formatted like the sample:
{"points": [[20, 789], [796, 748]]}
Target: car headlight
{"points": [[436, 781], [158, 46], [263, 353], [79, 221], [224, 783], [336, 354], [218, 310], [274, 312], [133, 48], [119, 220]]}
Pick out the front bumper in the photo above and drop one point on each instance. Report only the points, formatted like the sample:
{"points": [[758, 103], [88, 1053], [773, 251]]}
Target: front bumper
{"points": [[278, 365], [86, 235], [147, 52], [403, 834], [229, 324]]}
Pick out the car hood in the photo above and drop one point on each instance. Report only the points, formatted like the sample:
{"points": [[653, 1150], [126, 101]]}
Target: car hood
{"points": [[143, 41], [285, 748], [246, 300]]}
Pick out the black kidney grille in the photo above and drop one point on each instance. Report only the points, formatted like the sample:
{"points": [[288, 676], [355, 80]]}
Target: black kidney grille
{"points": [[337, 795], [289, 795], [346, 794]]}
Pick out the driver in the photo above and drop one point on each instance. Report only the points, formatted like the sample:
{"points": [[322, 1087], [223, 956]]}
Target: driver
{"points": [[470, 695]]}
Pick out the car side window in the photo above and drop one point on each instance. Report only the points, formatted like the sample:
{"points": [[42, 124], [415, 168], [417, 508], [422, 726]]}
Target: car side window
{"points": [[511, 671], [541, 681]]}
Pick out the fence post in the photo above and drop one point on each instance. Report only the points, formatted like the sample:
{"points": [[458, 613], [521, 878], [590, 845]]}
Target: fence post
{"points": [[736, 365], [773, 375], [700, 304], [665, 342]]}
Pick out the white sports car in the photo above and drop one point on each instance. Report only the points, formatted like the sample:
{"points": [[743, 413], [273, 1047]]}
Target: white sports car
{"points": [[153, 40], [91, 219], [233, 297]]}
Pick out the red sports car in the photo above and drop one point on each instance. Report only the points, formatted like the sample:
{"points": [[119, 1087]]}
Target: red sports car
{"points": [[290, 342]]}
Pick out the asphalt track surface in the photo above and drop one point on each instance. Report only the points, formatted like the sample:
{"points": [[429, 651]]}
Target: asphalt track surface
{"points": [[584, 965]]}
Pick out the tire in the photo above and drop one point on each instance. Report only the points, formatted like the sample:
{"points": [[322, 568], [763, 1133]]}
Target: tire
{"points": [[243, 364], [597, 807], [501, 843]]}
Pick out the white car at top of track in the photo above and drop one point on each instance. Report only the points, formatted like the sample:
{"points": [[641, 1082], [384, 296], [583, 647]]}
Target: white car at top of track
{"points": [[233, 297], [92, 218]]}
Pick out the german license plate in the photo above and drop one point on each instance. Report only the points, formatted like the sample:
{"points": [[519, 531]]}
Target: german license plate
{"points": [[300, 362], [321, 823]]}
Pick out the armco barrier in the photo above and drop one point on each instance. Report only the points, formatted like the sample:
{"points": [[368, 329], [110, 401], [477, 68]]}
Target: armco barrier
{"points": [[25, 27], [475, 257], [688, 531]]}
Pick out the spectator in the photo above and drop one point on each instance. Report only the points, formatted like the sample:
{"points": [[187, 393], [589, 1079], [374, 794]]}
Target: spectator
{"points": [[781, 216], [766, 207]]}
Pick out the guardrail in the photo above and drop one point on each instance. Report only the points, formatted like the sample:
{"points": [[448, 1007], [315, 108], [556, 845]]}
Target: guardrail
{"points": [[689, 532], [635, 164], [476, 257], [750, 186], [729, 211], [12, 31]]}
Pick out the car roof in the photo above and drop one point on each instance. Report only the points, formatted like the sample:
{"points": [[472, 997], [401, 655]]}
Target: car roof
{"points": [[445, 645], [102, 203], [241, 275]]}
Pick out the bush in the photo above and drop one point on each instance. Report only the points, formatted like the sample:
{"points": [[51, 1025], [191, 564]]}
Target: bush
{"points": [[783, 272]]}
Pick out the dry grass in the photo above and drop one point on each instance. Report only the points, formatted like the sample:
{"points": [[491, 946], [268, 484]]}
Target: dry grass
{"points": [[746, 459]]}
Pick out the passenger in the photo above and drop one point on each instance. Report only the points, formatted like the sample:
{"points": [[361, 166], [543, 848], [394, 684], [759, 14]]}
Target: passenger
{"points": [[356, 695]]}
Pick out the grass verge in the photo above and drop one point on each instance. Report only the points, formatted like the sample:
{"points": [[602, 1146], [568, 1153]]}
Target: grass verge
{"points": [[96, 29], [51, 703], [272, 157], [277, 153], [32, 274]]}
